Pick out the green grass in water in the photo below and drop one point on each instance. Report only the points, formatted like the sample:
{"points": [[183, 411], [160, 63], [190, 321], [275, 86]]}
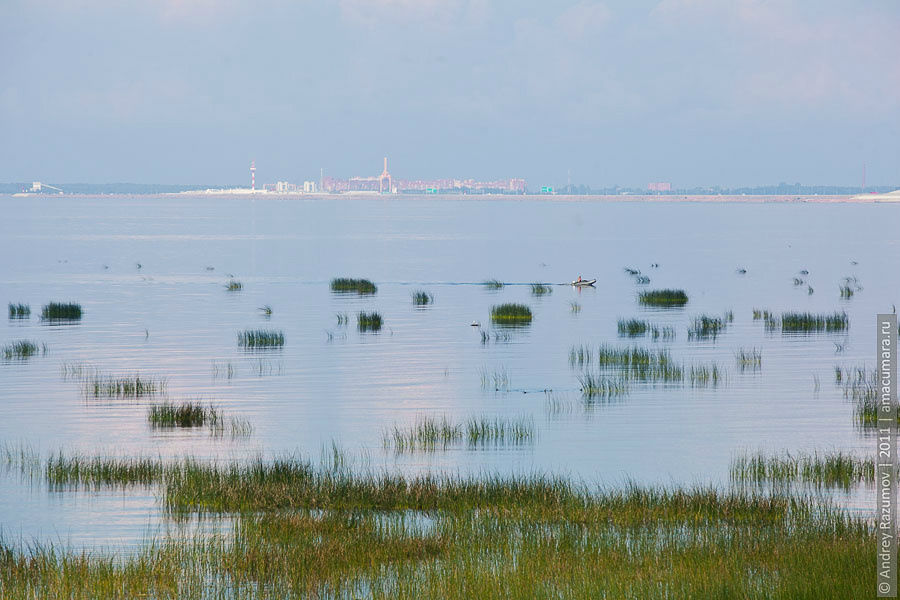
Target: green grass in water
{"points": [[260, 338], [61, 311], [21, 350], [347, 285], [371, 321], [422, 298], [511, 313], [809, 322], [326, 532], [663, 298], [540, 289], [19, 311], [827, 469]]}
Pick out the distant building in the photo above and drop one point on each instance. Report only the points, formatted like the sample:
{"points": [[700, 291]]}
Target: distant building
{"points": [[387, 183], [660, 186], [310, 187]]}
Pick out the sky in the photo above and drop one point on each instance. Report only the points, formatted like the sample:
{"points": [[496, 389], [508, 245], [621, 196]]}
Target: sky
{"points": [[694, 92]]}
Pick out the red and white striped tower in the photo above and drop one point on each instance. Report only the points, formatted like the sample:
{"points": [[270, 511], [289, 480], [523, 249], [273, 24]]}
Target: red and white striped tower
{"points": [[252, 175]]}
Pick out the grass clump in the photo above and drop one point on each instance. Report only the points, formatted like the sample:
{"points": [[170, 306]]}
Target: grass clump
{"points": [[19, 311], [132, 386], [195, 414], [807, 322], [633, 328], [234, 285], [511, 313], [574, 307], [369, 321], [186, 414], [706, 327], [61, 311], [21, 350], [749, 358], [429, 434], [260, 338], [540, 289], [597, 386], [422, 298], [706, 375], [828, 469], [663, 298], [348, 285], [493, 284]]}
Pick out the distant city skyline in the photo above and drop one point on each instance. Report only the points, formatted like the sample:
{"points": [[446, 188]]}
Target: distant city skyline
{"points": [[692, 92]]}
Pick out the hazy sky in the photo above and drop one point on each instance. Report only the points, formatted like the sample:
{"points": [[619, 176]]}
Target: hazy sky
{"points": [[689, 91]]}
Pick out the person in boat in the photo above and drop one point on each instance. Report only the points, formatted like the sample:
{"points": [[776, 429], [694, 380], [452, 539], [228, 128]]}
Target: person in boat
{"points": [[579, 279]]}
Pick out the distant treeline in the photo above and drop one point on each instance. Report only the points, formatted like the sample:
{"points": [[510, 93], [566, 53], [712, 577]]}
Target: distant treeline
{"points": [[781, 189]]}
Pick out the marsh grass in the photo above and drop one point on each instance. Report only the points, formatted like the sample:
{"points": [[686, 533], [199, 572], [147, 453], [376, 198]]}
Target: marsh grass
{"points": [[706, 376], [258, 339], [827, 469], [497, 379], [185, 414], [422, 298], [22, 350], [371, 321], [61, 311], [19, 311], [574, 307], [598, 386], [130, 386], [637, 328], [348, 285], [707, 327], [493, 284], [794, 322], [195, 414], [540, 289], [429, 434], [629, 364], [327, 532], [749, 359], [761, 313], [234, 285], [663, 298], [511, 313]]}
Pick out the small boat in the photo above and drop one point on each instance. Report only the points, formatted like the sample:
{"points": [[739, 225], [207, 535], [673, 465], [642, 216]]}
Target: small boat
{"points": [[584, 282], [476, 324]]}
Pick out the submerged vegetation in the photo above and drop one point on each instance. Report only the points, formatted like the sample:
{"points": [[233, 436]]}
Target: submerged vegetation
{"points": [[663, 298], [260, 338], [371, 321], [511, 313], [347, 285], [19, 311], [61, 311], [301, 530], [22, 350]]}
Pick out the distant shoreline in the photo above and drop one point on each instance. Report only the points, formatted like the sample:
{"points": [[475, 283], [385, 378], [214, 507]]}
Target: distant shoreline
{"points": [[761, 199]]}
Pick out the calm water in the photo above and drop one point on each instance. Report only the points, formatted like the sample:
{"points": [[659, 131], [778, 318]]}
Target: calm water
{"points": [[172, 317]]}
